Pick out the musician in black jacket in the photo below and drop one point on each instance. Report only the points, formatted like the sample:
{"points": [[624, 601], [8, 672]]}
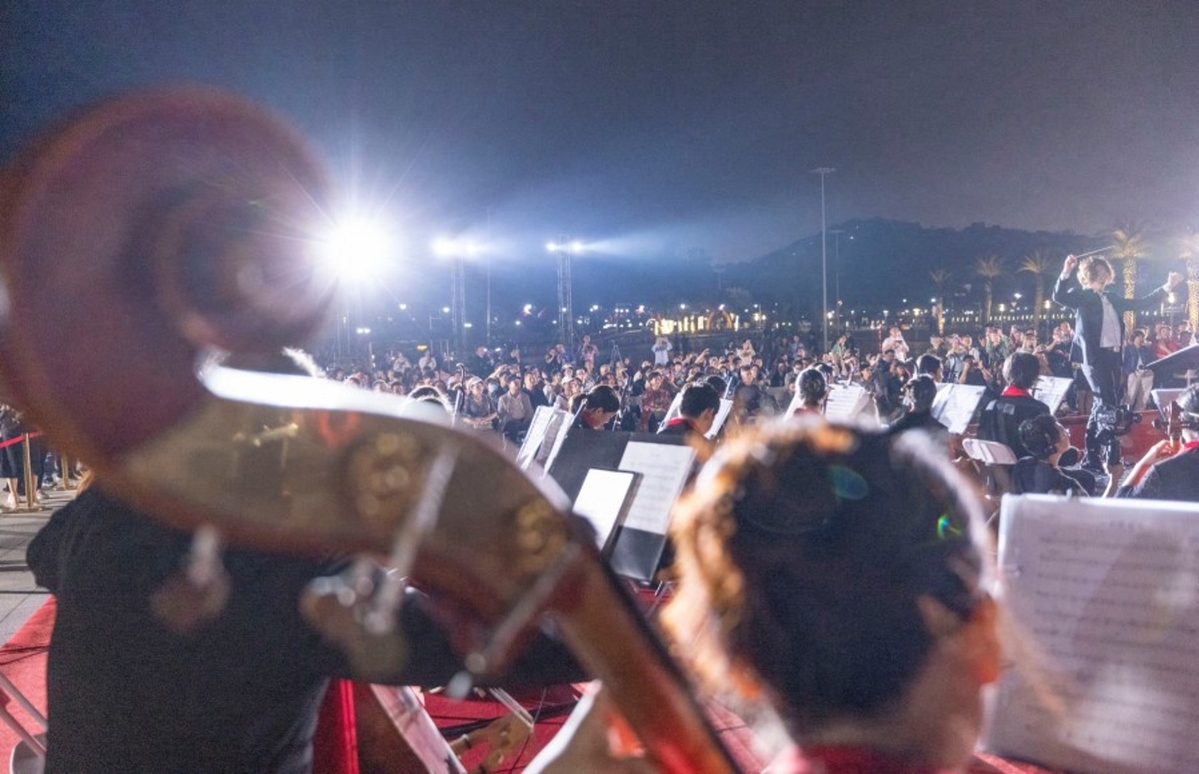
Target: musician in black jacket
{"points": [[1098, 337], [1170, 471]]}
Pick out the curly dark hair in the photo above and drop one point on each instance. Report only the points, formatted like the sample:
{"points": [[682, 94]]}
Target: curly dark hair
{"points": [[802, 555]]}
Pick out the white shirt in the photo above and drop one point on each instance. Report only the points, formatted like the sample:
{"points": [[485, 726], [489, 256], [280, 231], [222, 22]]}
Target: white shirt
{"points": [[1109, 337]]}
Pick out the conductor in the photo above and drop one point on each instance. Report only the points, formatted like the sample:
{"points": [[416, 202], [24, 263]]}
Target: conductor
{"points": [[1098, 337]]}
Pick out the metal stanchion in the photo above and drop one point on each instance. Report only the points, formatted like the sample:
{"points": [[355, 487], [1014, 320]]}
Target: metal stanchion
{"points": [[64, 465], [30, 479]]}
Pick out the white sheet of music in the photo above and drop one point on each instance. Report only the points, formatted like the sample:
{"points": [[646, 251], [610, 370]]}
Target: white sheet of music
{"points": [[955, 404], [601, 500], [726, 407], [664, 469], [535, 436], [1105, 594], [1051, 390], [845, 402]]}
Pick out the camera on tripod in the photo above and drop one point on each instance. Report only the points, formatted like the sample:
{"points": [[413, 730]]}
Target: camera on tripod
{"points": [[1116, 419]]}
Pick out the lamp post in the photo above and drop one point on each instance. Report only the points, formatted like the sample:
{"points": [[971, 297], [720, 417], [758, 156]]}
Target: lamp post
{"points": [[823, 171]]}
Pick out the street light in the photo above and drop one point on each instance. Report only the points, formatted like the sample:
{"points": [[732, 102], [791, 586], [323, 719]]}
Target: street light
{"points": [[823, 171]]}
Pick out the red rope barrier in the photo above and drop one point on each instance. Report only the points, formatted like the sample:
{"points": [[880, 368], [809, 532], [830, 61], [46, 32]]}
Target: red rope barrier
{"points": [[17, 440]]}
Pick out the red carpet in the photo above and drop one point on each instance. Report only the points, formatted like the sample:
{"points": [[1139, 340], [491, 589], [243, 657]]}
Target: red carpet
{"points": [[23, 660]]}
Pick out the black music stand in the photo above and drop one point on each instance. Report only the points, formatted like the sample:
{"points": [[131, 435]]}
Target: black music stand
{"points": [[1174, 370]]}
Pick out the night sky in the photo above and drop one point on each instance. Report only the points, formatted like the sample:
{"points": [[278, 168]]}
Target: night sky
{"points": [[653, 128]]}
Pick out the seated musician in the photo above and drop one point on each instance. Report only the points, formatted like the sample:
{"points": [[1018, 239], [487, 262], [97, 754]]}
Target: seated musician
{"points": [[1001, 418], [697, 411], [839, 576], [918, 395], [596, 407], [812, 387], [1041, 472], [1170, 470], [241, 691]]}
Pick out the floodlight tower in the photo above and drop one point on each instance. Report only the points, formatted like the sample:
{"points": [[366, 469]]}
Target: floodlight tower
{"points": [[564, 249]]}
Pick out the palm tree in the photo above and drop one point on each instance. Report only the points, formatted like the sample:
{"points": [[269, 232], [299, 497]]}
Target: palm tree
{"points": [[988, 268], [1040, 265], [940, 278], [1128, 243]]}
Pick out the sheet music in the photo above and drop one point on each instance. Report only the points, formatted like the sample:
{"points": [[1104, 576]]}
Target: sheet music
{"points": [[1051, 390], [535, 436], [601, 500], [845, 402], [664, 469], [726, 407], [559, 435], [1107, 594], [955, 404]]}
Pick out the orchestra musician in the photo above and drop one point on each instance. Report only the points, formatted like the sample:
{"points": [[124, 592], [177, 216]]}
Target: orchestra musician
{"points": [[1170, 469], [839, 575], [128, 691]]}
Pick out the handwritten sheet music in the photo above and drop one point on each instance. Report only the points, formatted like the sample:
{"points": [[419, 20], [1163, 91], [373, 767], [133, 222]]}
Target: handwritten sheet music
{"points": [[1106, 595], [664, 469], [955, 404], [1051, 390]]}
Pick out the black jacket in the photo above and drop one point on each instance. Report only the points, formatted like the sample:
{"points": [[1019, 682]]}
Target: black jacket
{"points": [[240, 694], [1088, 313], [1174, 479], [1001, 418]]}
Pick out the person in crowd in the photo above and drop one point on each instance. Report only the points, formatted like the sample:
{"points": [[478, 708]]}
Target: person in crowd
{"points": [[1164, 344], [895, 343], [918, 396], [661, 350], [841, 577], [588, 351], [477, 409], [534, 387], [698, 408], [975, 374], [996, 346], [1039, 471], [1170, 470], [929, 365], [427, 361], [655, 402], [1137, 355], [480, 364], [514, 411], [1001, 418], [1183, 334], [811, 389], [1099, 325], [938, 346]]}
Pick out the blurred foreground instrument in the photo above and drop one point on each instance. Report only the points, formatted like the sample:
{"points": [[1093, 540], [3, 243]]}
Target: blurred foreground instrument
{"points": [[155, 227]]}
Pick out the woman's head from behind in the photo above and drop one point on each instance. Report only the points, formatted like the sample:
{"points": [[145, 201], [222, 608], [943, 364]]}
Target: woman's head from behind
{"points": [[840, 572]]}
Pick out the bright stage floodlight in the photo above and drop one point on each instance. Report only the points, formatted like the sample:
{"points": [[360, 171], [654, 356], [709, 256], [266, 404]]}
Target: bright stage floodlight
{"points": [[357, 248]]}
